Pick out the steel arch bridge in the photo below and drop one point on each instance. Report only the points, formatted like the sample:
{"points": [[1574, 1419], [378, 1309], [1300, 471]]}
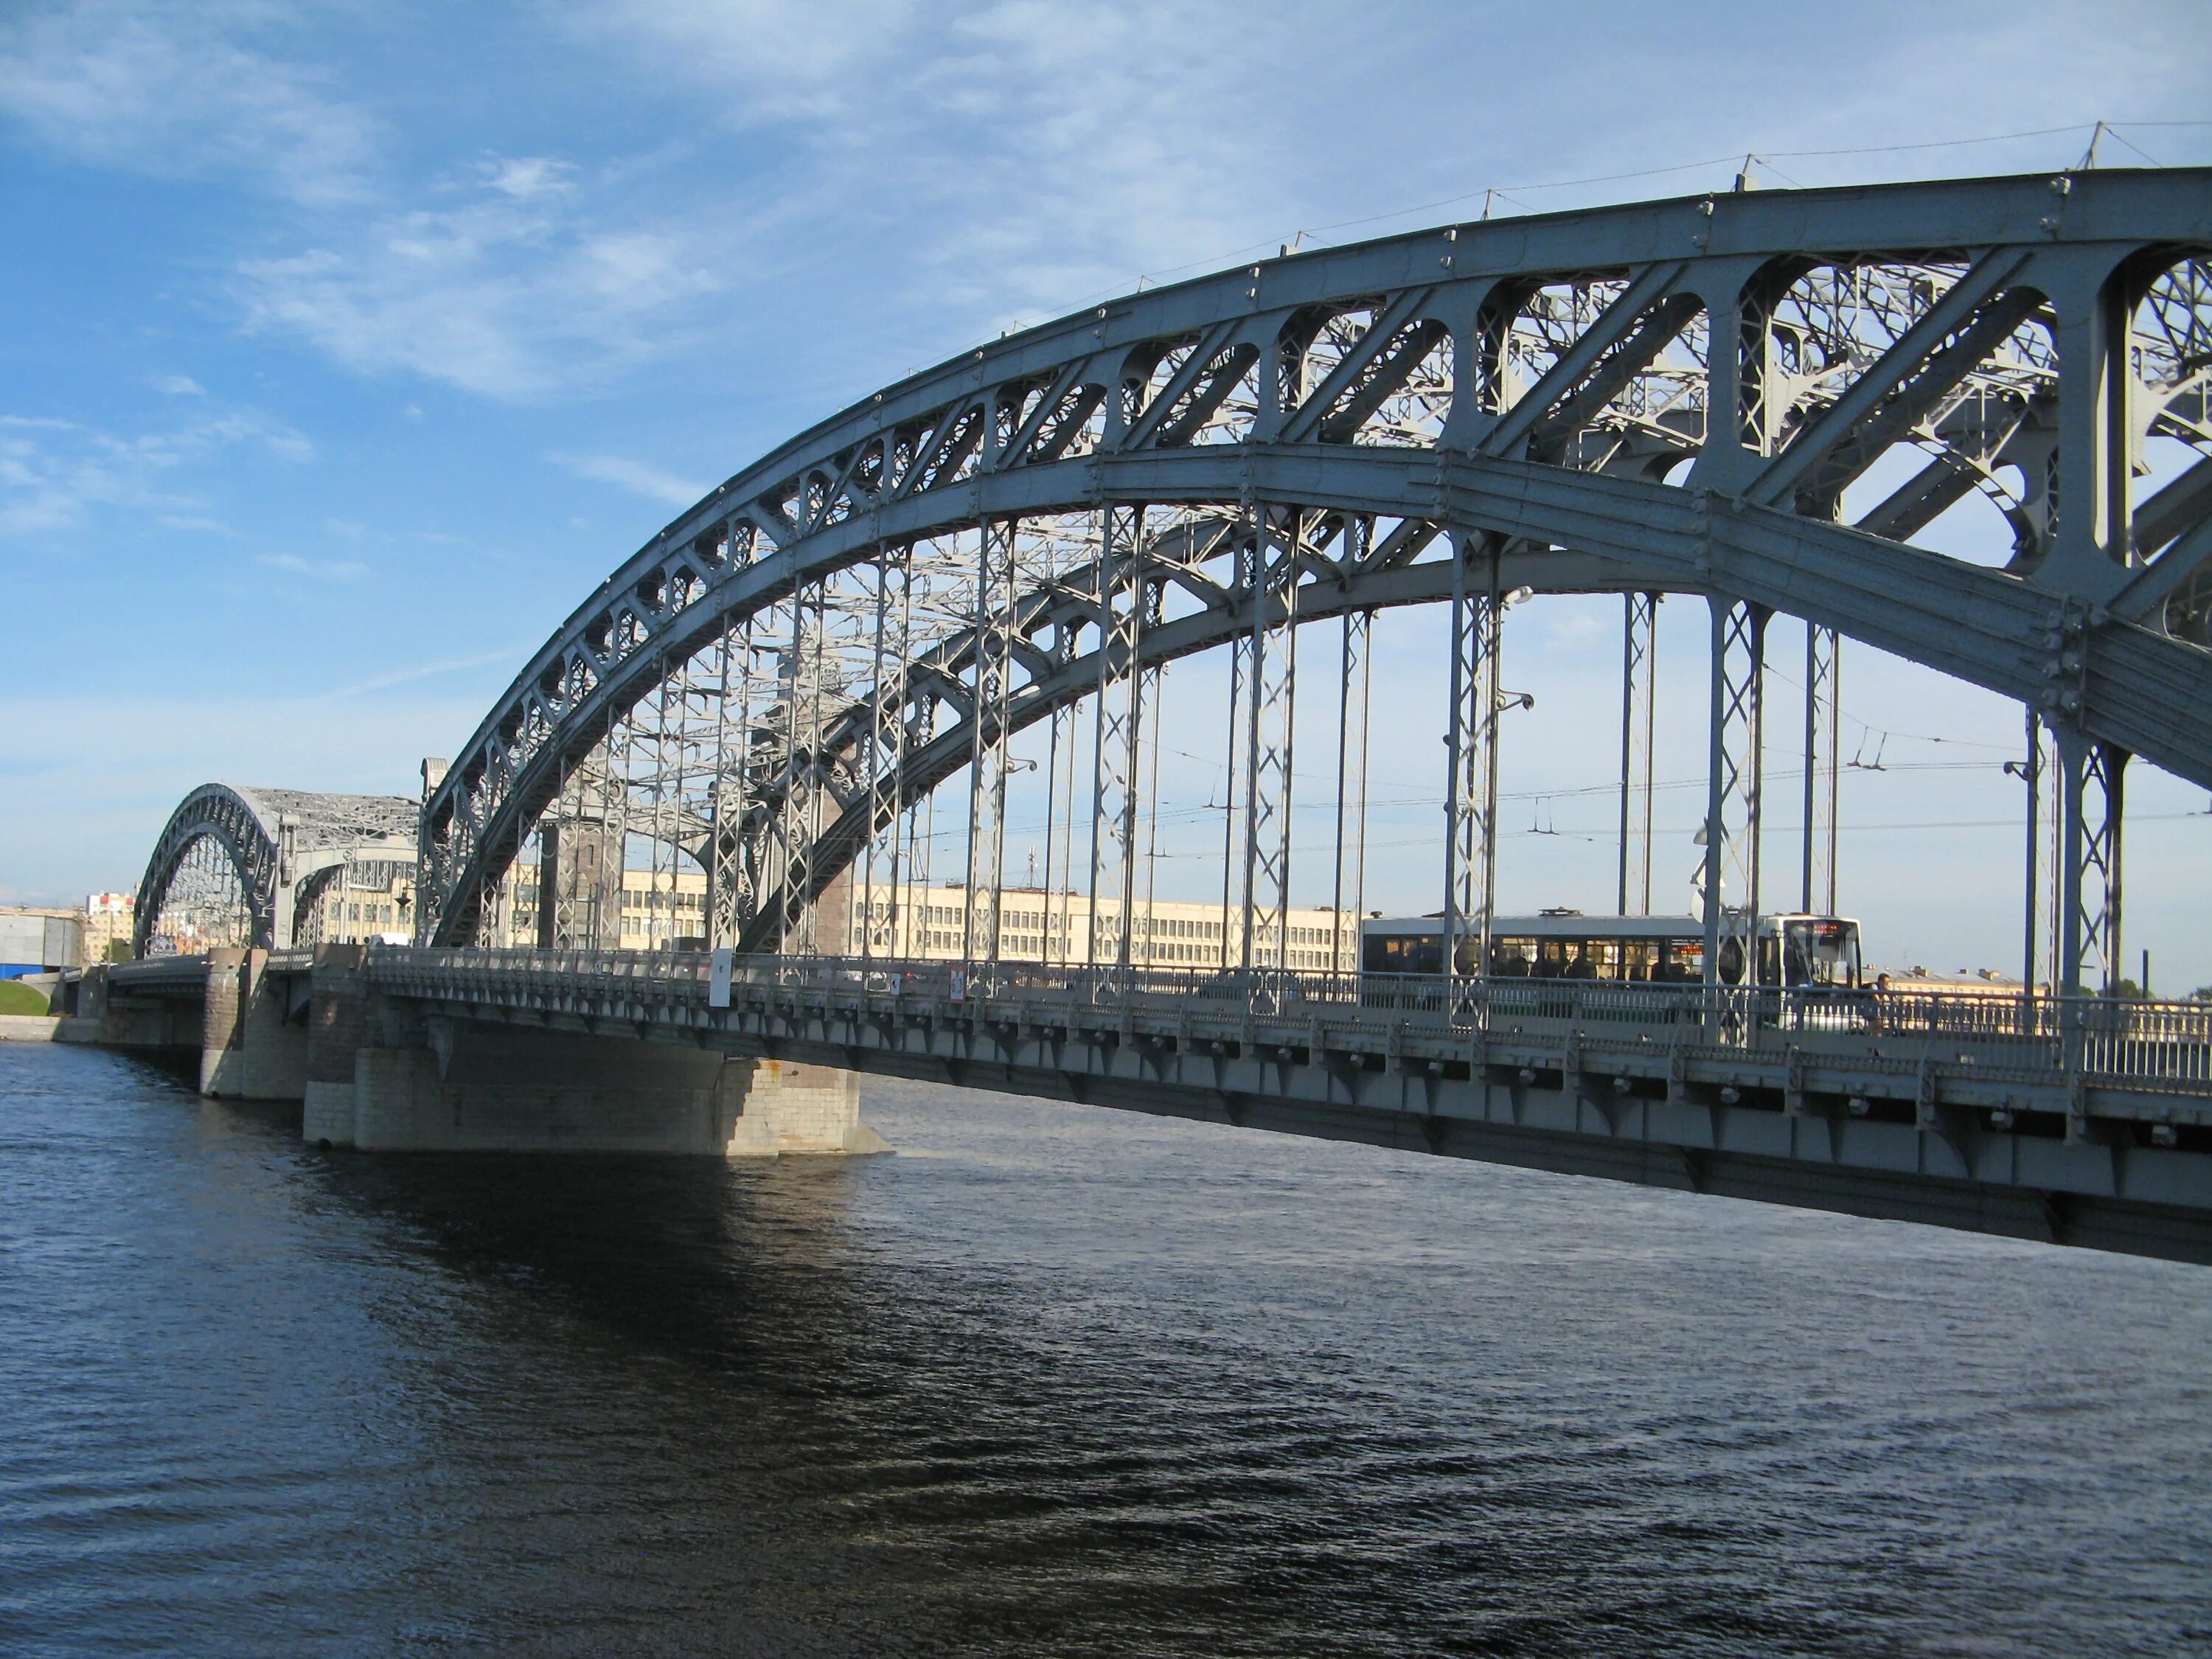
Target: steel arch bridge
{"points": [[1763, 399], [278, 849]]}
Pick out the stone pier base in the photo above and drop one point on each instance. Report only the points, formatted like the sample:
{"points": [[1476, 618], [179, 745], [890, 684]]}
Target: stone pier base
{"points": [[479, 1090], [251, 1045], [379, 1079]]}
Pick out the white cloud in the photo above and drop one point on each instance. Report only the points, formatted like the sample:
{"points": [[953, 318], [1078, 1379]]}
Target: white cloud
{"points": [[321, 570], [513, 293], [764, 59], [1029, 153], [53, 473], [171, 91], [635, 476], [178, 385], [524, 177]]}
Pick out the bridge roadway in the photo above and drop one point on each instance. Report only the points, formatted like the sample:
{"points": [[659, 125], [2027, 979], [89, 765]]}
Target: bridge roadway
{"points": [[2086, 1124]]}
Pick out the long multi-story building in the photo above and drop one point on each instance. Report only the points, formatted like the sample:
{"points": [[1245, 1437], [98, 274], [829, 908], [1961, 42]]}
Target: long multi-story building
{"points": [[1035, 925], [666, 910]]}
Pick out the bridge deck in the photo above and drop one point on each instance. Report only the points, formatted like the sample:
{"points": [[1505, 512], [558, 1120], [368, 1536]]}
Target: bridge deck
{"points": [[2086, 1123]]}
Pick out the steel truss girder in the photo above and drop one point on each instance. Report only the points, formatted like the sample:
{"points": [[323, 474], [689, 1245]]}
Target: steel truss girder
{"points": [[1121, 597], [1639, 642], [1733, 805], [886, 749], [1016, 429], [997, 590], [1348, 896], [2091, 774], [2041, 953], [1471, 740], [1271, 565], [1823, 733], [732, 896], [282, 843]]}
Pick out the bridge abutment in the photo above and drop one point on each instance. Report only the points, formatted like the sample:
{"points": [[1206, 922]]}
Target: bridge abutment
{"points": [[102, 1014]]}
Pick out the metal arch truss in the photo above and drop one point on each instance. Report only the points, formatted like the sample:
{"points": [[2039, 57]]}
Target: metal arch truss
{"points": [[283, 846], [1686, 397]]}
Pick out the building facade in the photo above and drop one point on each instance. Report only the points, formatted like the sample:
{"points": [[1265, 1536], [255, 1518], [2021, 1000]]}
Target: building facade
{"points": [[108, 920], [931, 924]]}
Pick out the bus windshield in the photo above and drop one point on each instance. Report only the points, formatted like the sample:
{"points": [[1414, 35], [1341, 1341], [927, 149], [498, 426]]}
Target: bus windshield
{"points": [[1820, 951]]}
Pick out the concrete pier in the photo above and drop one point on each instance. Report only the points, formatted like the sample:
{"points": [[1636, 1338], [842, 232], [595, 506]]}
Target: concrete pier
{"points": [[470, 1088], [383, 1073], [254, 1040]]}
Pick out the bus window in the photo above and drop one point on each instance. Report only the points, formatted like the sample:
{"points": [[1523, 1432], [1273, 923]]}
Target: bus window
{"points": [[1512, 958], [1732, 961], [1385, 953], [1403, 953], [1822, 952]]}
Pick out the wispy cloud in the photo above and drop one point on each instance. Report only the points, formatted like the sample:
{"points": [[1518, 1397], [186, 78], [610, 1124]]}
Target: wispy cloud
{"points": [[178, 385], [181, 91], [54, 473], [512, 293], [635, 476], [524, 176], [769, 60], [321, 570], [414, 673]]}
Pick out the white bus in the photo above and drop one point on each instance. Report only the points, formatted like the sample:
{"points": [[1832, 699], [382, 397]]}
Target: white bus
{"points": [[1793, 950]]}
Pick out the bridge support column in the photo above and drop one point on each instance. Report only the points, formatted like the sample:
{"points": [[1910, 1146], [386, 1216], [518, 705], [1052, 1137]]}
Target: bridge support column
{"points": [[1639, 718], [250, 1048], [1733, 806], [1471, 745], [222, 1023], [2089, 817], [338, 1025]]}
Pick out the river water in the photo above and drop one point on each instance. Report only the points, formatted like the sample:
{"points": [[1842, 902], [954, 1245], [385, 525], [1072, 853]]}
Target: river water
{"points": [[1048, 1380]]}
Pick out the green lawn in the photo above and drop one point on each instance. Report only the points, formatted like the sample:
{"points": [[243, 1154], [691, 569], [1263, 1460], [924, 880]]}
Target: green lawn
{"points": [[17, 998]]}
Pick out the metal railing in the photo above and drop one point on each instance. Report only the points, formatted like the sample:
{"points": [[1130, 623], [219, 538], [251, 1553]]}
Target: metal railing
{"points": [[2105, 1041]]}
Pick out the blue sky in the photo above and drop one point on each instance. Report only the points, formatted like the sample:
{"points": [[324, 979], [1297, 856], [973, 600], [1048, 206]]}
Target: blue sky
{"points": [[349, 345]]}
